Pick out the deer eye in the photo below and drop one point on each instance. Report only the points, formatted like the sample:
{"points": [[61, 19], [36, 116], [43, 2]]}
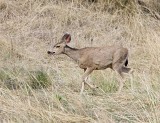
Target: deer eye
{"points": [[57, 46]]}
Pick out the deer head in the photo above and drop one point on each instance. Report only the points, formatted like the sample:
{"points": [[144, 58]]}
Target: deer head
{"points": [[59, 48]]}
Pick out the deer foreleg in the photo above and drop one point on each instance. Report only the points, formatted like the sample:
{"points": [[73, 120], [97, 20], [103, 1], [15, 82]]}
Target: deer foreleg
{"points": [[84, 79]]}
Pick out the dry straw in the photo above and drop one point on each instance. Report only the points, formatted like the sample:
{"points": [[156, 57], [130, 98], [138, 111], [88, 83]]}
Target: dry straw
{"points": [[29, 27]]}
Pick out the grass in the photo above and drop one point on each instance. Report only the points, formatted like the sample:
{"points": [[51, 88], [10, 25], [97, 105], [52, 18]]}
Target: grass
{"points": [[35, 87], [39, 79]]}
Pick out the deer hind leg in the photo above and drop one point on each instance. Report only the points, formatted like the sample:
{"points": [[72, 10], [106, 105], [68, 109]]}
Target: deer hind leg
{"points": [[121, 81], [125, 69], [84, 79], [119, 64], [118, 67]]}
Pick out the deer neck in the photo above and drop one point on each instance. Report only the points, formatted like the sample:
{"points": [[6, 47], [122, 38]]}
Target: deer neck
{"points": [[72, 53]]}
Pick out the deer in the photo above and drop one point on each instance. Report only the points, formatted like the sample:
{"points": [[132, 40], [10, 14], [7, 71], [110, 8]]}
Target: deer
{"points": [[89, 59]]}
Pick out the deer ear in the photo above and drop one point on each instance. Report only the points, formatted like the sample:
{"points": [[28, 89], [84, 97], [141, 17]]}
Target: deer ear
{"points": [[66, 38]]}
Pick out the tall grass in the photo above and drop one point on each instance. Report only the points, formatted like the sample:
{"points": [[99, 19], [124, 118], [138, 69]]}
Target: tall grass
{"points": [[35, 87]]}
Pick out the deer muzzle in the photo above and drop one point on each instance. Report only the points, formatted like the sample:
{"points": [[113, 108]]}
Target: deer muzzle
{"points": [[51, 53]]}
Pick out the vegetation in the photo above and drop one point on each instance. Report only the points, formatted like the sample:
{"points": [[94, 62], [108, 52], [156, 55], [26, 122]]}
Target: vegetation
{"points": [[35, 87]]}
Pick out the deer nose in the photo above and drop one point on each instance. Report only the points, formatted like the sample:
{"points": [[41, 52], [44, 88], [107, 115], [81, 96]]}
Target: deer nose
{"points": [[49, 52]]}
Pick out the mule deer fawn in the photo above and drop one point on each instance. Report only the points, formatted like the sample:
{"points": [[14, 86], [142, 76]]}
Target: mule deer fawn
{"points": [[94, 58]]}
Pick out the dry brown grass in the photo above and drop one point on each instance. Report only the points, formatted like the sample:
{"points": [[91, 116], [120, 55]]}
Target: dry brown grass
{"points": [[27, 30]]}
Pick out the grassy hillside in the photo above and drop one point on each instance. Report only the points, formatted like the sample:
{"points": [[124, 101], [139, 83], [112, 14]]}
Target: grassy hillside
{"points": [[35, 87]]}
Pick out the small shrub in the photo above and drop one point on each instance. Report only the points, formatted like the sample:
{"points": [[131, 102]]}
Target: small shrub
{"points": [[3, 5], [39, 79], [7, 81]]}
